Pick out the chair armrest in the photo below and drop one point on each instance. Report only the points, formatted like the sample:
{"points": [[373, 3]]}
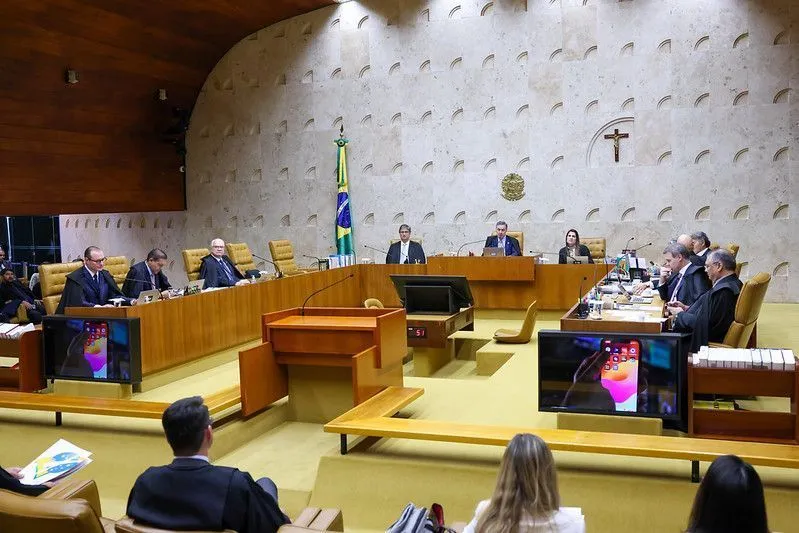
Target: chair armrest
{"points": [[68, 489], [127, 525], [317, 519], [718, 345]]}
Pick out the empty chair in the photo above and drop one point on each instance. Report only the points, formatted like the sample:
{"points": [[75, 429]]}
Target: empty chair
{"points": [[733, 248], [192, 261], [283, 255], [596, 245], [523, 335], [373, 303], [747, 310]]}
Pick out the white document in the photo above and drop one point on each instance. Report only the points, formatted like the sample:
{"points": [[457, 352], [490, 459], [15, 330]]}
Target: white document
{"points": [[59, 460], [788, 359]]}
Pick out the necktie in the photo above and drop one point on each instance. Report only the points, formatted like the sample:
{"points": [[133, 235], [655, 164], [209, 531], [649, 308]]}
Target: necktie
{"points": [[228, 273], [676, 288], [96, 281], [404, 253], [152, 280]]}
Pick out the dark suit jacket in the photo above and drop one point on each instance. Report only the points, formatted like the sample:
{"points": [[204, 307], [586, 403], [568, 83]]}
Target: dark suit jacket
{"points": [[711, 315], [81, 291], [15, 291], [564, 253], [9, 482], [692, 287], [138, 279], [511, 244], [215, 276], [415, 253], [193, 494]]}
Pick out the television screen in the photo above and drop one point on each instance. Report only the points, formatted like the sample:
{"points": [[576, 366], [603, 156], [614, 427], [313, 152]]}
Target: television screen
{"points": [[92, 349], [421, 293], [613, 373]]}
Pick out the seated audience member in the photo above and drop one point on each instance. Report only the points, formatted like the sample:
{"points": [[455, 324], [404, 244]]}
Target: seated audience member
{"points": [[90, 285], [729, 499], [9, 480], [681, 280], [405, 251], [502, 240], [218, 270], [148, 275], [13, 294], [191, 493], [713, 312], [573, 248], [526, 497], [700, 246], [4, 263], [35, 285]]}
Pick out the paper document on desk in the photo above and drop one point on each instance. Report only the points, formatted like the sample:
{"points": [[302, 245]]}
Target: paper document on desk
{"points": [[59, 460]]}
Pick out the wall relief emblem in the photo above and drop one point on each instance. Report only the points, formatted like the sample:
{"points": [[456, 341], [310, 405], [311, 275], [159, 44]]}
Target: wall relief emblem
{"points": [[512, 187]]}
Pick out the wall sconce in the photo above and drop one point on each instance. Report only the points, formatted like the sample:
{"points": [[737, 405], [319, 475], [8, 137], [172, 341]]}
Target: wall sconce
{"points": [[162, 94], [71, 76]]}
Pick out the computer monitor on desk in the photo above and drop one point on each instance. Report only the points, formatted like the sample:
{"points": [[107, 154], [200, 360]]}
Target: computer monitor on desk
{"points": [[432, 294]]}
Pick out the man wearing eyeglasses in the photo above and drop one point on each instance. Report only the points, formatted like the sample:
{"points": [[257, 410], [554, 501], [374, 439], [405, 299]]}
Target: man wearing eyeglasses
{"points": [[91, 285], [711, 315]]}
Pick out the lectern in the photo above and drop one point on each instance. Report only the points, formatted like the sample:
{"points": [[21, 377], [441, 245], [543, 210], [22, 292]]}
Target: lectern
{"points": [[326, 359]]}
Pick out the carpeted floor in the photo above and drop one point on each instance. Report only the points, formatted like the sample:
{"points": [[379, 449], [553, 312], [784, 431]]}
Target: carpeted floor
{"points": [[373, 482]]}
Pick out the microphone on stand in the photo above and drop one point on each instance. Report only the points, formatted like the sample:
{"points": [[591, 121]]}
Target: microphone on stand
{"points": [[627, 246], [582, 309], [302, 309], [375, 249], [278, 273], [467, 244], [317, 259], [642, 247], [148, 284], [569, 259]]}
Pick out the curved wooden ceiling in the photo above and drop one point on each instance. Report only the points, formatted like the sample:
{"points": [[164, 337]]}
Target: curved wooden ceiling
{"points": [[96, 146]]}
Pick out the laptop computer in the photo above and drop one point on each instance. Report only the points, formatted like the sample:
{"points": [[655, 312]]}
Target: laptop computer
{"points": [[582, 259], [194, 286], [146, 297], [494, 251]]}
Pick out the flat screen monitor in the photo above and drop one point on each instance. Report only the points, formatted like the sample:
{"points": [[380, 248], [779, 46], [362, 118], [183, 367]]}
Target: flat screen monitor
{"points": [[614, 373], [432, 294], [92, 349]]}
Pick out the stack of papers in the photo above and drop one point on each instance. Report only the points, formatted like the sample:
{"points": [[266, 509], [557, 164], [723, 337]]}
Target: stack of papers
{"points": [[758, 358], [13, 331], [59, 460]]}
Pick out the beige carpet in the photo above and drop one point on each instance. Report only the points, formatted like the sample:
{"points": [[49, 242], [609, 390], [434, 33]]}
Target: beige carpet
{"points": [[374, 482]]}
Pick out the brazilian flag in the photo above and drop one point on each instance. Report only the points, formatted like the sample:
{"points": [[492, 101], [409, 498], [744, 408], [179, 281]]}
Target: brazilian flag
{"points": [[344, 240]]}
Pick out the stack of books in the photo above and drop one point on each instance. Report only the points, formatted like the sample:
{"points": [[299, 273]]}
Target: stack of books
{"points": [[13, 331], [756, 358]]}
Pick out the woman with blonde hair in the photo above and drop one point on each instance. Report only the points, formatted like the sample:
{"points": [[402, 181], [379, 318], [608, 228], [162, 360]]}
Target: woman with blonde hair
{"points": [[526, 498]]}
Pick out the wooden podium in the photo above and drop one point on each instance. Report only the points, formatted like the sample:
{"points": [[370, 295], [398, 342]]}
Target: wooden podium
{"points": [[326, 361]]}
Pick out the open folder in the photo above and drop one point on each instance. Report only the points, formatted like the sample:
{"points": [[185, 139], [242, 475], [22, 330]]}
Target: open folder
{"points": [[58, 461]]}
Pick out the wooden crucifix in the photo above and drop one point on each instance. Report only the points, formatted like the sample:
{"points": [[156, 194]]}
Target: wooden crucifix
{"points": [[616, 136]]}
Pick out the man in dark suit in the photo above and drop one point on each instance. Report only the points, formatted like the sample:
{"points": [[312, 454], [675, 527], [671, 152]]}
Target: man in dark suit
{"points": [[147, 275], [4, 263], [218, 270], [9, 480], [91, 284], [502, 240], [711, 315], [13, 294], [681, 280], [405, 251], [191, 493]]}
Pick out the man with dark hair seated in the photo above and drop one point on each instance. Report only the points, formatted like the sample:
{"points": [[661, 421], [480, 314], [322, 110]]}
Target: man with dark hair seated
{"points": [[190, 493], [13, 294]]}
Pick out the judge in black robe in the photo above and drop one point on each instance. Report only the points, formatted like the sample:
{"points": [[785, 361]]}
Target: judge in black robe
{"points": [[80, 290]]}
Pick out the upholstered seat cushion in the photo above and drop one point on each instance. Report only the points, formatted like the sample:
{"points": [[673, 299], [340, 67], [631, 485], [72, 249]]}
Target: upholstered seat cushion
{"points": [[52, 279], [192, 260], [596, 245], [241, 256]]}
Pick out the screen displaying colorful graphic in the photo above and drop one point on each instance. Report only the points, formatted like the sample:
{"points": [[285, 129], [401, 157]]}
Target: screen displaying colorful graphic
{"points": [[96, 349], [612, 373]]}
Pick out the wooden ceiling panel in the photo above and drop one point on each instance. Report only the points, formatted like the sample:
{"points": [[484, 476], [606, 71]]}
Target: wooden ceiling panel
{"points": [[98, 145]]}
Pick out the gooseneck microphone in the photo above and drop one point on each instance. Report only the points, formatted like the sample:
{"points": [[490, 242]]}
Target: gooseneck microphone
{"points": [[642, 247], [278, 273], [627, 246], [582, 309], [467, 244], [376, 249], [569, 259], [302, 309], [318, 260]]}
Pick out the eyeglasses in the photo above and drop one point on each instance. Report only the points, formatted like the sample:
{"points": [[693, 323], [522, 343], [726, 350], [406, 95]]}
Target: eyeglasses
{"points": [[708, 265], [101, 260]]}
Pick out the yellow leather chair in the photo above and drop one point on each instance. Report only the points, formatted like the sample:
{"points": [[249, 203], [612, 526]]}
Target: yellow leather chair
{"points": [[733, 249], [747, 310], [118, 266], [192, 260], [52, 278], [241, 256], [72, 506], [738, 269], [373, 303], [522, 336], [518, 235], [283, 256], [596, 245]]}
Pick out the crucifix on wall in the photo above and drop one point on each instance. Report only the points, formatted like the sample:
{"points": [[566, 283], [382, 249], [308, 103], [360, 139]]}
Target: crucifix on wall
{"points": [[616, 136]]}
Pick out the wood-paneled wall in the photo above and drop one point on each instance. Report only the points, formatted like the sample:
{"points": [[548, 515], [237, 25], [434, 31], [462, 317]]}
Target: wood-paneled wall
{"points": [[96, 146]]}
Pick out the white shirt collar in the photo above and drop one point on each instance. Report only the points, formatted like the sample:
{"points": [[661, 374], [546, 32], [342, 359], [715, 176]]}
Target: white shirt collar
{"points": [[683, 269], [702, 252], [201, 457], [92, 274]]}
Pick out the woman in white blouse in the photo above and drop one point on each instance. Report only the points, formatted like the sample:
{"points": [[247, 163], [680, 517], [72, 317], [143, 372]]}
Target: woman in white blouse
{"points": [[526, 498]]}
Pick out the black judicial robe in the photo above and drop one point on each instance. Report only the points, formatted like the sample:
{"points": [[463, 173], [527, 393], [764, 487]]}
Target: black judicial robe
{"points": [[710, 317], [81, 291]]}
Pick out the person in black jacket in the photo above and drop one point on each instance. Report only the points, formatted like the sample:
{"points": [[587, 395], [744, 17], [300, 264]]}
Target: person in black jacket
{"points": [[681, 280], [148, 275], [405, 251], [709, 318], [13, 293], [573, 248], [9, 480], [90, 285], [191, 493], [218, 270]]}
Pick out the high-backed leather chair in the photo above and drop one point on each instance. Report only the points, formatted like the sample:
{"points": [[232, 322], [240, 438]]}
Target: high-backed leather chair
{"points": [[69, 507], [118, 266], [241, 256], [52, 278], [192, 260], [733, 249], [738, 269], [596, 245], [518, 235], [522, 336], [283, 256], [747, 310], [373, 303]]}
